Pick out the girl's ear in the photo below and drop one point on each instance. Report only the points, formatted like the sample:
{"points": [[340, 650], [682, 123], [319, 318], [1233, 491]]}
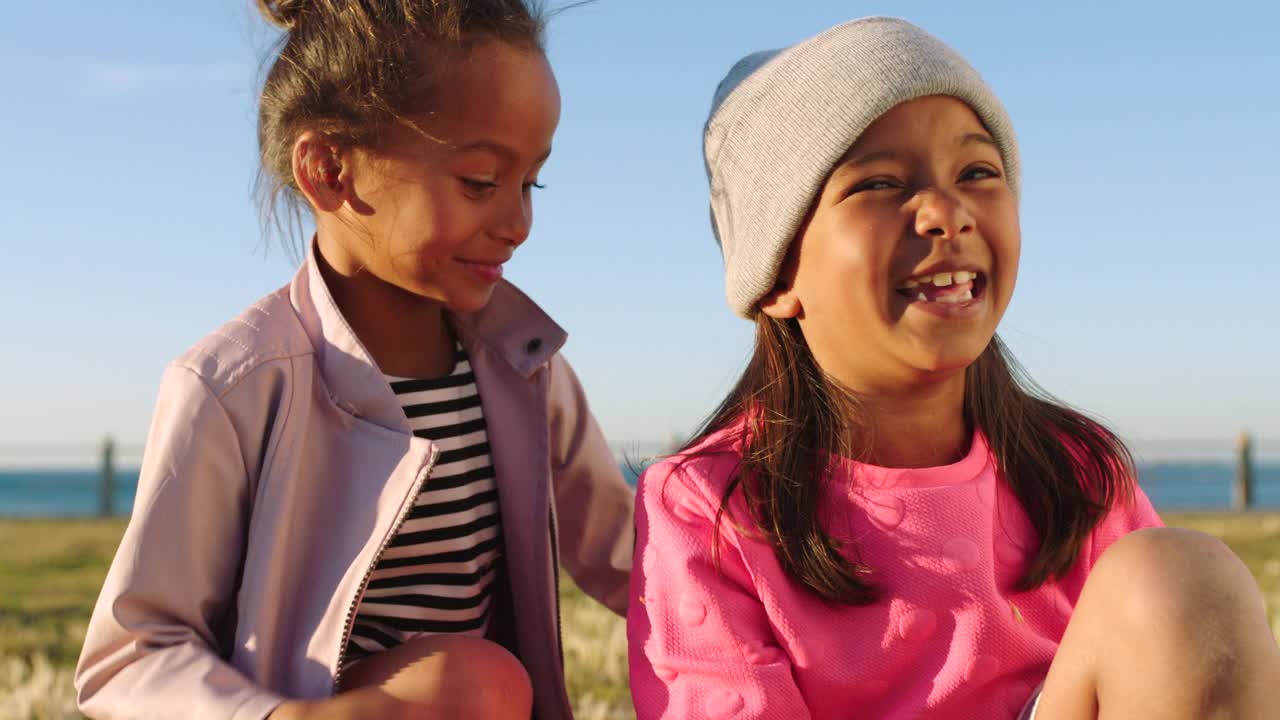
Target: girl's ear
{"points": [[320, 173], [781, 302]]}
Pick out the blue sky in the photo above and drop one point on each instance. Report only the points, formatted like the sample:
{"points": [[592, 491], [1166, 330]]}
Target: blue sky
{"points": [[1151, 225]]}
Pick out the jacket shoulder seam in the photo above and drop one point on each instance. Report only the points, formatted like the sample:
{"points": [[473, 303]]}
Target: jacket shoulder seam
{"points": [[221, 387], [226, 416]]}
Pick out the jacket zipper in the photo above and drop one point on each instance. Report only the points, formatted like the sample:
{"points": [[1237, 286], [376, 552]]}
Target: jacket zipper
{"points": [[349, 624], [555, 573]]}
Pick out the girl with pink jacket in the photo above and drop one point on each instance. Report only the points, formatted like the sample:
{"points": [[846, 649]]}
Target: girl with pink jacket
{"points": [[357, 496], [885, 519]]}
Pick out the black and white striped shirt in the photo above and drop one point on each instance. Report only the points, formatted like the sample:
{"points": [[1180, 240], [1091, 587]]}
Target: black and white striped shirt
{"points": [[436, 574]]}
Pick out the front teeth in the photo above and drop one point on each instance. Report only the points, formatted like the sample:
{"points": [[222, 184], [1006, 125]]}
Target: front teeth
{"points": [[942, 279]]}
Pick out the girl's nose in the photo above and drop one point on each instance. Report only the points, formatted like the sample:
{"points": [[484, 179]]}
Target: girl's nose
{"points": [[939, 215], [517, 220]]}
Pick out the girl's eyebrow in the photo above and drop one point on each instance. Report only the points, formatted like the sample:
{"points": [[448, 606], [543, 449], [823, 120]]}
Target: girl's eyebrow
{"points": [[869, 158], [983, 138], [853, 161], [498, 149], [965, 139], [849, 163]]}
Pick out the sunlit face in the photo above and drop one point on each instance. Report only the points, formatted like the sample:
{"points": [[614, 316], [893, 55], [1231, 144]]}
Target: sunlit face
{"points": [[909, 258], [439, 217]]}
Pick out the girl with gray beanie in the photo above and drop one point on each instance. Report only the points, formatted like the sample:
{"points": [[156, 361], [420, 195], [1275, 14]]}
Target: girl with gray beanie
{"points": [[885, 518]]}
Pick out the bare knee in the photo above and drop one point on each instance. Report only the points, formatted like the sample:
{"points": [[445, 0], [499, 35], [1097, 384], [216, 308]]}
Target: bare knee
{"points": [[1170, 624], [498, 683], [446, 676], [1175, 577], [1180, 593]]}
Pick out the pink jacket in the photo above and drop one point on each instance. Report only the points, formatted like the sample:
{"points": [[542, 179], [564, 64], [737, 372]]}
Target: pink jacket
{"points": [[951, 638], [278, 466]]}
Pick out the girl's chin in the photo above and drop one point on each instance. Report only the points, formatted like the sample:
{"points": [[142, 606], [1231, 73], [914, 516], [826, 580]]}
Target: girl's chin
{"points": [[468, 301], [951, 358]]}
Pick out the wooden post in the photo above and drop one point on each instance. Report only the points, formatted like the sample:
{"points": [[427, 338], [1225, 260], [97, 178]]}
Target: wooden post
{"points": [[1242, 497], [107, 490]]}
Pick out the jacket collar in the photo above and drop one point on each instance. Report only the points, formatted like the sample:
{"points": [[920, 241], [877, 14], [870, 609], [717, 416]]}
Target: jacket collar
{"points": [[511, 327]]}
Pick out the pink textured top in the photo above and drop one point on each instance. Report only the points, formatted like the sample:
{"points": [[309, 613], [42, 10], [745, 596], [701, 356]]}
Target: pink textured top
{"points": [[950, 638]]}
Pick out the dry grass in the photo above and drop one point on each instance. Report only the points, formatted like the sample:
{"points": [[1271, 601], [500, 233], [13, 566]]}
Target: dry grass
{"points": [[595, 655], [34, 689], [51, 570]]}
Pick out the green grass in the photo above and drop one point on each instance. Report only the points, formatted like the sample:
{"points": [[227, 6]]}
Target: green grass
{"points": [[595, 656], [51, 570]]}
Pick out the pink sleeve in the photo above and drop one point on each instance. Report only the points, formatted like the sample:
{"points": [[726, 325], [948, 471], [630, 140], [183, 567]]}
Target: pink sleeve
{"points": [[1122, 519], [700, 642]]}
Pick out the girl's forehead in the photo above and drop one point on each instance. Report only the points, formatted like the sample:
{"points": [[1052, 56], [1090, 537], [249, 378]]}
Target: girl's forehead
{"points": [[932, 126], [498, 73], [939, 119], [493, 73], [498, 99]]}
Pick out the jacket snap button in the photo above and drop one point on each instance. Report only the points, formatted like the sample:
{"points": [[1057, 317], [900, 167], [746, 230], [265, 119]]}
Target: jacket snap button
{"points": [[533, 345]]}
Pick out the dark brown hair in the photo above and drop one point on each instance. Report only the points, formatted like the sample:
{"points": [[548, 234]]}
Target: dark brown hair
{"points": [[352, 68], [1065, 468]]}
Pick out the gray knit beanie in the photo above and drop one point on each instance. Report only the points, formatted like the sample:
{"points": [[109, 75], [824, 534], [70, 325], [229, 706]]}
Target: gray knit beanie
{"points": [[781, 119]]}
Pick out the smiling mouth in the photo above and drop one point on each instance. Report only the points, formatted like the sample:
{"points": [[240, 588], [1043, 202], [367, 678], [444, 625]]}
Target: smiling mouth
{"points": [[948, 288], [489, 272]]}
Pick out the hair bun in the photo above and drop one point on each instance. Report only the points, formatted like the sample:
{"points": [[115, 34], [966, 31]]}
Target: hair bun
{"points": [[284, 14]]}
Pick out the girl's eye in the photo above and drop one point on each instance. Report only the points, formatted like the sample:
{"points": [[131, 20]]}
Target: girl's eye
{"points": [[979, 172], [534, 185], [479, 187], [875, 183]]}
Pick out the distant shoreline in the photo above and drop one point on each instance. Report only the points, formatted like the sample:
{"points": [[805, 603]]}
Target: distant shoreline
{"points": [[1267, 462], [68, 493], [27, 457]]}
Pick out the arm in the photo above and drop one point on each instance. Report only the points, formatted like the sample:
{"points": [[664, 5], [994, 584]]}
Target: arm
{"points": [[152, 645], [700, 641], [593, 503]]}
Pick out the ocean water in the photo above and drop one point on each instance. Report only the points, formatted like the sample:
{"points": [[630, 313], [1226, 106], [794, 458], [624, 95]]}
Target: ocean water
{"points": [[1171, 486]]}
